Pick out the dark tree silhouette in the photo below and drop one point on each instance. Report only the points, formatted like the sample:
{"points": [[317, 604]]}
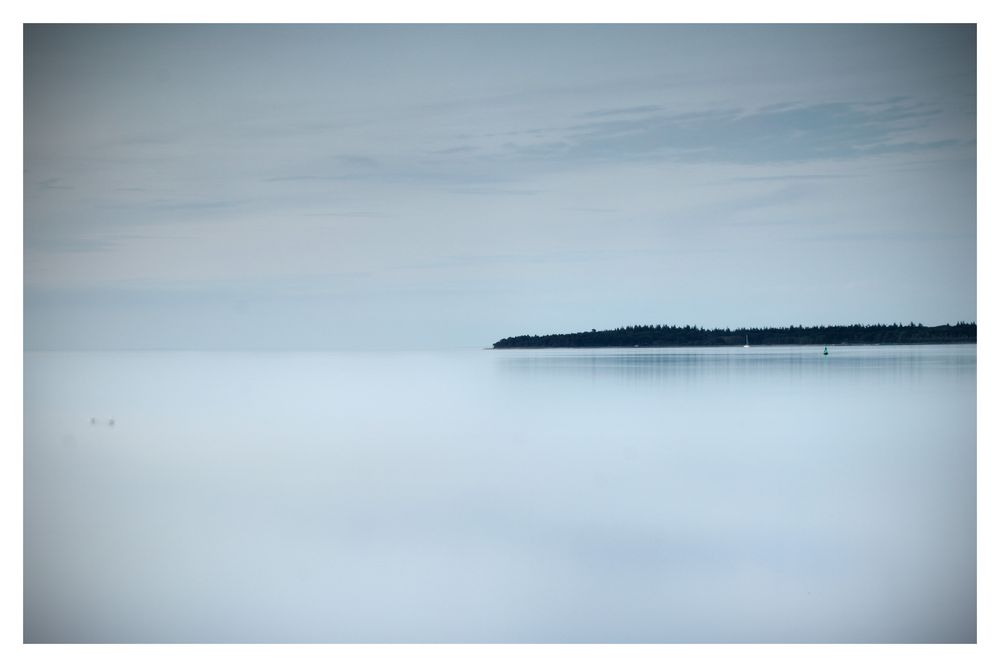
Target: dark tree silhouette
{"points": [[662, 335]]}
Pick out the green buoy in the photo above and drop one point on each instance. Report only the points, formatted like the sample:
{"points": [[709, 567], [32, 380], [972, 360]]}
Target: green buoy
{"points": [[825, 351]]}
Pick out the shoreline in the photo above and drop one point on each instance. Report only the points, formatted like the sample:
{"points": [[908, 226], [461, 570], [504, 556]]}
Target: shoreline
{"points": [[668, 347]]}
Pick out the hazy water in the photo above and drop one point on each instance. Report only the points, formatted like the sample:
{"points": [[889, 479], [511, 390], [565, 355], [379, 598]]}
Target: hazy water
{"points": [[717, 495]]}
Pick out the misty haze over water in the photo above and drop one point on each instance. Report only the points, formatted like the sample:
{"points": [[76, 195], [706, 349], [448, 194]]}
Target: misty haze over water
{"points": [[657, 495]]}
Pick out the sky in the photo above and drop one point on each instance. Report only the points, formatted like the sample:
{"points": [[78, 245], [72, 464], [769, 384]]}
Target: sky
{"points": [[435, 186]]}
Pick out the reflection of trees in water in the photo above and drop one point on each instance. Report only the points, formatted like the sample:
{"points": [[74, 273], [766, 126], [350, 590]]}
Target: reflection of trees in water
{"points": [[879, 364]]}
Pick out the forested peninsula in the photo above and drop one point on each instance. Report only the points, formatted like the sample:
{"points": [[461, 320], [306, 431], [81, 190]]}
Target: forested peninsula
{"points": [[693, 336]]}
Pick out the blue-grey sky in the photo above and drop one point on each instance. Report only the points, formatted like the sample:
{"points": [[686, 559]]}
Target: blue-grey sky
{"points": [[435, 186]]}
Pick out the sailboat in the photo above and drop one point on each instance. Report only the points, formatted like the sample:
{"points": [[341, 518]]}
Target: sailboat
{"points": [[748, 341]]}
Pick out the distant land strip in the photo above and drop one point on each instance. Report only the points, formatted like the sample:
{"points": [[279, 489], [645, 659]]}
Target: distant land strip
{"points": [[693, 336]]}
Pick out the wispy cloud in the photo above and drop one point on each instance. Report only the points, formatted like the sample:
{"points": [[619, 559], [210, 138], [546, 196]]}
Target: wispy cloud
{"points": [[53, 184], [627, 111], [302, 177], [521, 192], [454, 150], [191, 205], [781, 132], [590, 209], [345, 214]]}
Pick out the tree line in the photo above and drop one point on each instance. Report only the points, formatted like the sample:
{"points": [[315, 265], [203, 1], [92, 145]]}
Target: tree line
{"points": [[661, 335]]}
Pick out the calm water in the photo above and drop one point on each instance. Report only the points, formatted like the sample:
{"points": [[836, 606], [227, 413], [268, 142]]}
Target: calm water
{"points": [[717, 495]]}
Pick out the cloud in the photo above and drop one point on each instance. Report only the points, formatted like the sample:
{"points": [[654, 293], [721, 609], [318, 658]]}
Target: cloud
{"points": [[647, 108], [456, 150], [53, 184], [345, 214], [780, 132], [524, 192]]}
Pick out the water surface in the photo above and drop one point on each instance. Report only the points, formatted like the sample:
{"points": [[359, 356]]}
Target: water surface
{"points": [[669, 495]]}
